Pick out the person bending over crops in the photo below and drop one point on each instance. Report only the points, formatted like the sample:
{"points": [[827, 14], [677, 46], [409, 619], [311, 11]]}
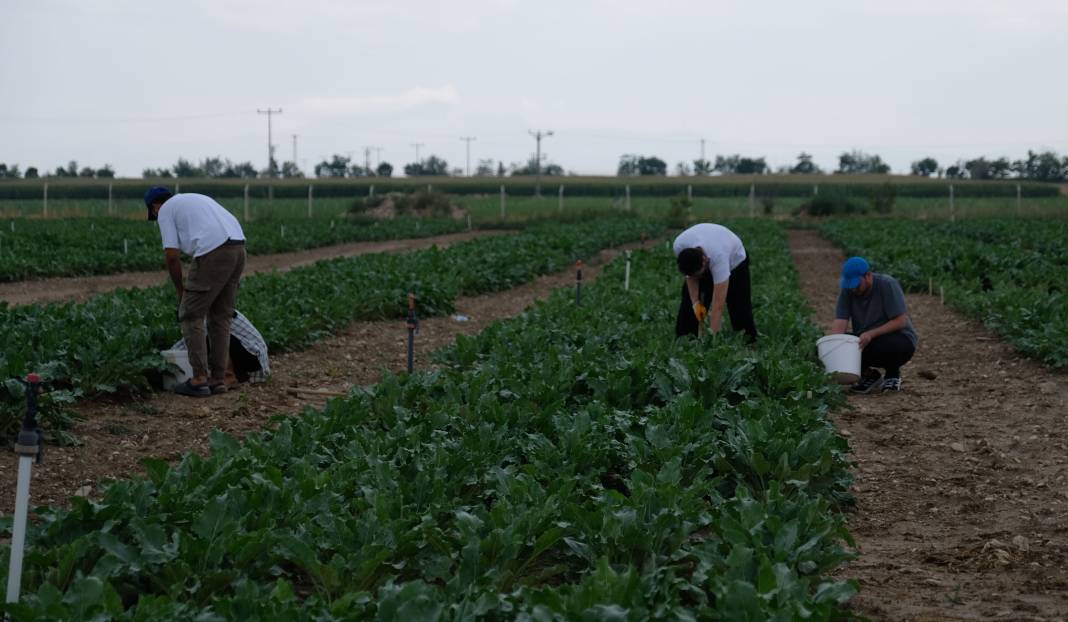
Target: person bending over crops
{"points": [[716, 268], [875, 305], [248, 360], [198, 226]]}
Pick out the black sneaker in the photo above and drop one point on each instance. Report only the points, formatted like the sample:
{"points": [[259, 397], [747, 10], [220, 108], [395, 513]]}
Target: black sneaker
{"points": [[867, 382], [892, 384]]}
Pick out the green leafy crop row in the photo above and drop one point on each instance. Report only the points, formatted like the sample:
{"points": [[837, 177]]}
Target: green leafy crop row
{"points": [[1012, 274], [79, 247], [574, 463], [111, 342]]}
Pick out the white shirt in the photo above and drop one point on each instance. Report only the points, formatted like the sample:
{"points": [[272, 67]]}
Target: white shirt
{"points": [[724, 248], [196, 224]]}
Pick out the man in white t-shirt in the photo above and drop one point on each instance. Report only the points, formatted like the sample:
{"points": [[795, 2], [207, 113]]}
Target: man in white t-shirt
{"points": [[198, 226], [716, 267]]}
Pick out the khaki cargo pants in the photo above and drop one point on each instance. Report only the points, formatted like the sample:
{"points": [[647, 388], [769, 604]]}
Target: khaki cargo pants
{"points": [[210, 291]]}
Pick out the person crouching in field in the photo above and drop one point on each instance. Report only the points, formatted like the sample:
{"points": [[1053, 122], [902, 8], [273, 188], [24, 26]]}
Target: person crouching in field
{"points": [[716, 268], [248, 360], [875, 304], [198, 226]]}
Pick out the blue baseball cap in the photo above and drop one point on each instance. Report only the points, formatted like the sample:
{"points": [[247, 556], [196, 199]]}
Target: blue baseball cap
{"points": [[852, 270], [154, 195]]}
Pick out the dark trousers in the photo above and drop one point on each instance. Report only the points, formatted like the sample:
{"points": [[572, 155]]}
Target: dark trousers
{"points": [[889, 352], [739, 302], [210, 290]]}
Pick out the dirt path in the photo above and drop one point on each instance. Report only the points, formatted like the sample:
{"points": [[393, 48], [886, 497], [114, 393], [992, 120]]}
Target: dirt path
{"points": [[117, 435], [962, 498], [80, 288]]}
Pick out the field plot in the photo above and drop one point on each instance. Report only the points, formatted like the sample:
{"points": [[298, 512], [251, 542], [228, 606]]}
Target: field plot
{"points": [[575, 462], [31, 249], [1010, 274], [110, 343]]}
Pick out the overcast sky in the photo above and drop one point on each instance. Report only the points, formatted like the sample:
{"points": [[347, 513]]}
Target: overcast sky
{"points": [[140, 83]]}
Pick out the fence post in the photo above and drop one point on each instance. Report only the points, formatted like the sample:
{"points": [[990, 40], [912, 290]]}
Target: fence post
{"points": [[560, 207], [310, 199], [246, 202], [111, 206], [44, 209], [502, 201]]}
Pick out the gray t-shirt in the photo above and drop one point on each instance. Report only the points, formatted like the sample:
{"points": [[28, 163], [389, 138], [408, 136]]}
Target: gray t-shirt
{"points": [[884, 302]]}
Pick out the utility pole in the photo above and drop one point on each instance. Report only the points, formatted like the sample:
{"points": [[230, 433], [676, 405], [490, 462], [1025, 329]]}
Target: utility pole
{"points": [[367, 159], [270, 145], [468, 139], [294, 149], [417, 146], [538, 135], [702, 150]]}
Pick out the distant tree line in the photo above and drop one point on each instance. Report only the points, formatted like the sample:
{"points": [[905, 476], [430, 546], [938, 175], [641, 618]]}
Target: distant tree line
{"points": [[1046, 166]]}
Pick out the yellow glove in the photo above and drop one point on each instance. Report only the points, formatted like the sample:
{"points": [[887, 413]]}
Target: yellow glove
{"points": [[699, 311]]}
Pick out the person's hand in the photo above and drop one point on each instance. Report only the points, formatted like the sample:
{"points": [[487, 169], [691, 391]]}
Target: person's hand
{"points": [[699, 311], [865, 339]]}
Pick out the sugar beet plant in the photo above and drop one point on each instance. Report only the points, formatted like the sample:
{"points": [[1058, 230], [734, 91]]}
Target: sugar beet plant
{"points": [[1012, 274], [574, 463], [110, 343], [32, 249]]}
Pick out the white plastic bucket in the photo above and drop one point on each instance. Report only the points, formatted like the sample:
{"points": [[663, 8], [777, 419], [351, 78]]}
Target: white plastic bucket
{"points": [[840, 355], [179, 358]]}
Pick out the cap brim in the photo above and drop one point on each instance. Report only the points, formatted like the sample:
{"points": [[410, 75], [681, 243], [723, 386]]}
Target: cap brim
{"points": [[848, 282]]}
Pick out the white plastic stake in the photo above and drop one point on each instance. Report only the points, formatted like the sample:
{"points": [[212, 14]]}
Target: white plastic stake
{"points": [[177, 187], [18, 533], [689, 192], [246, 202], [125, 246], [310, 199], [469, 221], [502, 201], [12, 226], [560, 205], [331, 224], [815, 189], [626, 274], [371, 191], [44, 210], [428, 188]]}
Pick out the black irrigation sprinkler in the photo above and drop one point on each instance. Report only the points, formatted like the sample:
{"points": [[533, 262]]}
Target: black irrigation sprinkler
{"points": [[578, 283], [413, 329]]}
